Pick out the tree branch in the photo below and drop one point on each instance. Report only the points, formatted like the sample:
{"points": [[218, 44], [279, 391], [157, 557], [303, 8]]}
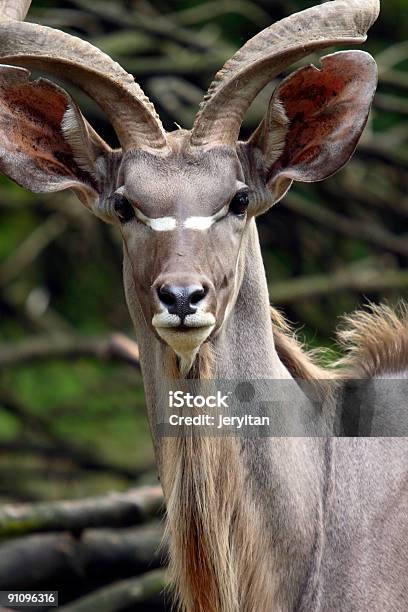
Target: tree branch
{"points": [[377, 149], [98, 556], [121, 595], [368, 232], [31, 247], [202, 13], [391, 104], [160, 26], [79, 457], [395, 78], [112, 510], [311, 287], [55, 445], [113, 347]]}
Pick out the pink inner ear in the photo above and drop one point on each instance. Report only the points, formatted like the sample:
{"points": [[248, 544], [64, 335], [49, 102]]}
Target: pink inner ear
{"points": [[34, 151], [327, 110], [30, 123]]}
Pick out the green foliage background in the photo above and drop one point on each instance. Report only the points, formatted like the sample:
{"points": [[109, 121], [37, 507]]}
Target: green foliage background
{"points": [[327, 248]]}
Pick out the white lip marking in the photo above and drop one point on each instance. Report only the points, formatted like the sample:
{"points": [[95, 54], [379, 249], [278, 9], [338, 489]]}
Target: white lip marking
{"points": [[199, 319], [184, 343], [165, 319]]}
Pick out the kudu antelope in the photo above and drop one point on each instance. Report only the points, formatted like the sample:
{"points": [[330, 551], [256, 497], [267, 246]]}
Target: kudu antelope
{"points": [[254, 525]]}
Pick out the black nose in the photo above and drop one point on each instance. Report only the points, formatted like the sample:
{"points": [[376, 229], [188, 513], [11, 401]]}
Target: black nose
{"points": [[181, 301]]}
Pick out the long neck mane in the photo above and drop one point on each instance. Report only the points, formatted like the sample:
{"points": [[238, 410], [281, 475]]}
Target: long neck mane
{"points": [[225, 496]]}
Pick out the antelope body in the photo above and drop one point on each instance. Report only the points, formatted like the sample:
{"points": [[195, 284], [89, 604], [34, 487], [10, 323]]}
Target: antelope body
{"points": [[268, 524]]}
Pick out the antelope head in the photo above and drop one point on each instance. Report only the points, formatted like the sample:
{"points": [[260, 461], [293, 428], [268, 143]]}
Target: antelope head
{"points": [[184, 200]]}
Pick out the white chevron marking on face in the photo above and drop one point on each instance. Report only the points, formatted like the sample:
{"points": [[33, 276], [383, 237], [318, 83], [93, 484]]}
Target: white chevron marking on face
{"points": [[161, 224], [199, 223], [203, 223], [168, 224]]}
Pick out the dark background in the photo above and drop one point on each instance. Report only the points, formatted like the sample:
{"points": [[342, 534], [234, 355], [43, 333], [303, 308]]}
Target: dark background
{"points": [[73, 426]]}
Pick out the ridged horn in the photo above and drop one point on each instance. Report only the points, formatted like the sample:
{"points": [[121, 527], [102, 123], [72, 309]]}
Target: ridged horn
{"points": [[70, 58], [14, 10], [263, 57]]}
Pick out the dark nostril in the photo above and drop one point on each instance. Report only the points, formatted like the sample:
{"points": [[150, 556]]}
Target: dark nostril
{"points": [[166, 295], [197, 295], [181, 300]]}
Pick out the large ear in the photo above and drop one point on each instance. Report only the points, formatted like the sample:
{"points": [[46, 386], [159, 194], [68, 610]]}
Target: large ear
{"points": [[46, 144], [315, 119]]}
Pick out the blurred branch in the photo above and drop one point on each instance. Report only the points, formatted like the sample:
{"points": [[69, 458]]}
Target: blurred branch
{"points": [[185, 62], [367, 193], [98, 554], [55, 445], [31, 247], [395, 78], [395, 136], [391, 104], [369, 232], [82, 458], [349, 279], [159, 26], [211, 10], [113, 347], [125, 42], [377, 148], [181, 99], [50, 322], [121, 595], [391, 56], [178, 97], [63, 203], [113, 510], [61, 18], [17, 492]]}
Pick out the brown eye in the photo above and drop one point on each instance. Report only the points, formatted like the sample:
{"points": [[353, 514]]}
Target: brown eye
{"points": [[122, 207], [239, 203]]}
